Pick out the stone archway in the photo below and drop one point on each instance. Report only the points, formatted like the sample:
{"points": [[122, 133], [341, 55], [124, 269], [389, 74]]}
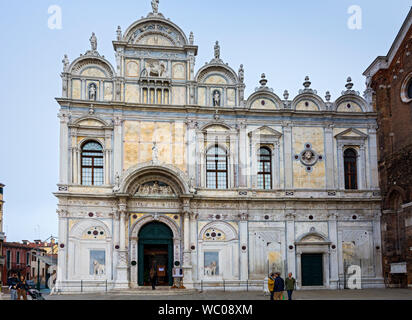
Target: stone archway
{"points": [[134, 243]]}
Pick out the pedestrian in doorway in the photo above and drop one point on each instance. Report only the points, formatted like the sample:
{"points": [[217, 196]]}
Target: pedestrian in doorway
{"points": [[153, 276], [279, 287], [22, 288], [12, 283], [290, 284], [271, 285]]}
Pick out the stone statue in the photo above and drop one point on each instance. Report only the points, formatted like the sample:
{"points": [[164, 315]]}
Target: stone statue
{"points": [[216, 98], [155, 152], [241, 73], [93, 42], [217, 50], [65, 63], [117, 183], [92, 92], [191, 38], [155, 6], [119, 33]]}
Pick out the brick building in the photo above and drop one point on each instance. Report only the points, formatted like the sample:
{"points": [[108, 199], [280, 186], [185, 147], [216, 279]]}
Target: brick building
{"points": [[389, 80], [18, 258]]}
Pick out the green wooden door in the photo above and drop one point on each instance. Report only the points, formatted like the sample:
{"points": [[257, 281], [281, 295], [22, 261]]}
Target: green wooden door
{"points": [[312, 269], [154, 235]]}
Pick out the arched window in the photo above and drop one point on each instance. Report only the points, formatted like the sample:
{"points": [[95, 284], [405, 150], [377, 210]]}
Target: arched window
{"points": [[265, 169], [350, 163], [410, 90], [216, 168], [92, 164]]}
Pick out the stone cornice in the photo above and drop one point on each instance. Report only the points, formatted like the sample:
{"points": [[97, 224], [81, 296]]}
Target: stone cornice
{"points": [[327, 115]]}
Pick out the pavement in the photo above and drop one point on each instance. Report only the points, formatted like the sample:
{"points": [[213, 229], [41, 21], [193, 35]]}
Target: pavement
{"points": [[366, 294]]}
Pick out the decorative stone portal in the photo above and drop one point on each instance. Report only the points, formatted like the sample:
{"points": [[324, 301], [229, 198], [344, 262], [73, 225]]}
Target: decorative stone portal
{"points": [[155, 248]]}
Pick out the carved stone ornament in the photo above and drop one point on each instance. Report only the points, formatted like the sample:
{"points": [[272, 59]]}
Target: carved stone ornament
{"points": [[308, 156], [155, 188]]}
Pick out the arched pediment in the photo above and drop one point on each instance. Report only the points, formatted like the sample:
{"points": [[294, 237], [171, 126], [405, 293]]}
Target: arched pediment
{"points": [[92, 66], [155, 31], [218, 74], [80, 229], [142, 174], [350, 103], [264, 100], [226, 230], [308, 102]]}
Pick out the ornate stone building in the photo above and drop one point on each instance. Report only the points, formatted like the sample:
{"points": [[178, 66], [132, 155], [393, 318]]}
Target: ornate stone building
{"points": [[390, 87], [164, 165]]}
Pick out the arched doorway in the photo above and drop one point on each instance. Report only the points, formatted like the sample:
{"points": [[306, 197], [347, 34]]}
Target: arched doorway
{"points": [[155, 248]]}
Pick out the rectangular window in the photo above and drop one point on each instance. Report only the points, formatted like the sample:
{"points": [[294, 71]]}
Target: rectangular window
{"points": [[8, 258], [28, 258], [18, 257]]}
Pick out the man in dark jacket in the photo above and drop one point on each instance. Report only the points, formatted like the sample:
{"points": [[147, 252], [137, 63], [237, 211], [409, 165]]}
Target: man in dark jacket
{"points": [[290, 285], [12, 282], [279, 287]]}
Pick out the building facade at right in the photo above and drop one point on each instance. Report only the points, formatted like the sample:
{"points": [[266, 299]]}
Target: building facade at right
{"points": [[389, 81]]}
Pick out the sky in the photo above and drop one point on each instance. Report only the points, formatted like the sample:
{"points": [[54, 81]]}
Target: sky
{"points": [[286, 40]]}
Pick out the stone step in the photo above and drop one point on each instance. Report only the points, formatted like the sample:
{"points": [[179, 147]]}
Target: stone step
{"points": [[160, 291]]}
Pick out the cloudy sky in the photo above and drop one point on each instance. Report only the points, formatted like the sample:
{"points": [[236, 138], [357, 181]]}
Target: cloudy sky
{"points": [[287, 40]]}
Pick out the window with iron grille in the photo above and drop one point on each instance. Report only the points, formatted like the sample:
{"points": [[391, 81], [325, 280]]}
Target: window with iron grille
{"points": [[92, 164], [350, 164], [216, 168], [265, 169]]}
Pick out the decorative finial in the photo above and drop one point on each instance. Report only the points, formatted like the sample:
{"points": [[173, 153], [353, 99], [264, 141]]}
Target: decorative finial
{"points": [[286, 94], [307, 83], [217, 50], [263, 80], [119, 33], [327, 96], [241, 74], [349, 84], [93, 42], [155, 6], [66, 63], [191, 38]]}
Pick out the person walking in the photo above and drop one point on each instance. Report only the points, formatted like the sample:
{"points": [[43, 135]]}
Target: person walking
{"points": [[279, 287], [12, 283], [271, 285], [290, 284], [22, 288], [153, 276]]}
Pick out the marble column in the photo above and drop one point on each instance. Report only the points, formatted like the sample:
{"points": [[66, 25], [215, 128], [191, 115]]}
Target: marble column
{"points": [[373, 158], [122, 263], [290, 241], [62, 253], [118, 146], [341, 168], [242, 155], [377, 241], [333, 236], [288, 161], [193, 242], [329, 159], [64, 148], [363, 185], [187, 263], [243, 238]]}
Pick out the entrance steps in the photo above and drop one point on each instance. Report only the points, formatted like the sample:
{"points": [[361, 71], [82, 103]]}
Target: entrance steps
{"points": [[160, 291]]}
